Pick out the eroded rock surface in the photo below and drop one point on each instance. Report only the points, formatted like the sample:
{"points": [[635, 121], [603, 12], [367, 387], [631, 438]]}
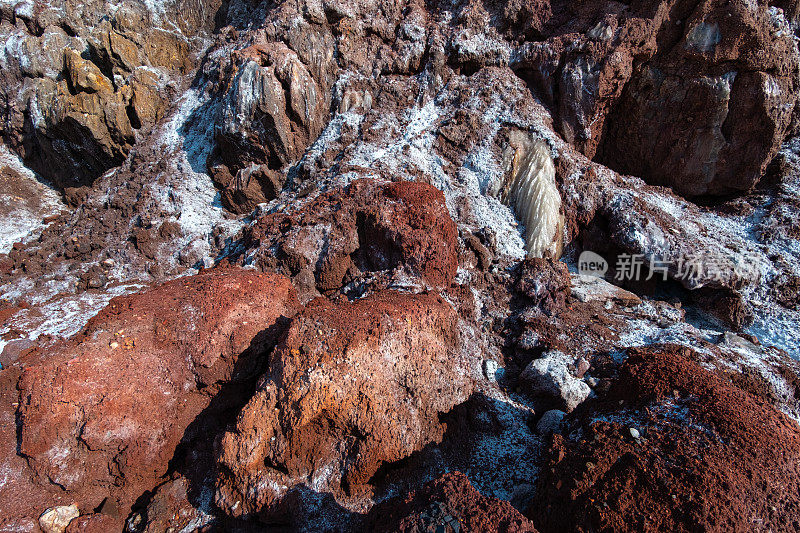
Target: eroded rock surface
{"points": [[449, 502], [351, 387], [365, 227], [82, 82], [101, 415], [690, 115], [426, 176]]}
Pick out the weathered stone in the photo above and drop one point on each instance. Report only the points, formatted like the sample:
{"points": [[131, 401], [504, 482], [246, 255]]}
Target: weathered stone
{"points": [[550, 422], [550, 376], [146, 99], [449, 501], [593, 289], [365, 227], [697, 428], [56, 519], [352, 386], [273, 110], [81, 419], [252, 185], [707, 116], [84, 75]]}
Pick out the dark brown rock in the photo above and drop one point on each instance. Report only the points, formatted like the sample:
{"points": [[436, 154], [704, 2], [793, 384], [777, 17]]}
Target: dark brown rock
{"points": [[708, 114], [725, 305], [250, 186], [545, 282], [171, 509], [93, 523], [274, 108]]}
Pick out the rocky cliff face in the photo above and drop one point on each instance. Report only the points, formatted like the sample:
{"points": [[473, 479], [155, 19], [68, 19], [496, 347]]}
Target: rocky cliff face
{"points": [[81, 79], [319, 265]]}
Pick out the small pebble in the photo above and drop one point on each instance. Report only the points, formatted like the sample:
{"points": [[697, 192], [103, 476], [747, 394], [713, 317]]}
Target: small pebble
{"points": [[581, 367], [490, 369], [56, 519]]}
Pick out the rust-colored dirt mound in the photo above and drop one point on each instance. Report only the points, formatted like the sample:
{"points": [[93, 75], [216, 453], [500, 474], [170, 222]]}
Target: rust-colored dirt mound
{"points": [[449, 503], [708, 456], [102, 414]]}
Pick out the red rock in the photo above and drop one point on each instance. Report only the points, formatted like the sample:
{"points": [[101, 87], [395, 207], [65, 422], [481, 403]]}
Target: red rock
{"points": [[93, 523], [102, 414], [709, 456], [367, 226], [7, 310], [352, 386], [23, 499], [449, 499]]}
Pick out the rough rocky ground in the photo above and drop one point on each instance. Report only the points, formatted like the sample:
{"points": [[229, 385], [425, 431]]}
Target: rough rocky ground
{"points": [[315, 265]]}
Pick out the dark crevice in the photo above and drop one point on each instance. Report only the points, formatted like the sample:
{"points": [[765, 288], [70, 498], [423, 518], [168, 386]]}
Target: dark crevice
{"points": [[101, 59], [194, 457], [275, 466], [56, 484], [133, 116], [68, 29]]}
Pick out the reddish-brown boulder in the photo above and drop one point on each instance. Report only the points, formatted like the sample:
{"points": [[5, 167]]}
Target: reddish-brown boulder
{"points": [[365, 227], [709, 111], [102, 414], [351, 387], [671, 447], [692, 94], [448, 503]]}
